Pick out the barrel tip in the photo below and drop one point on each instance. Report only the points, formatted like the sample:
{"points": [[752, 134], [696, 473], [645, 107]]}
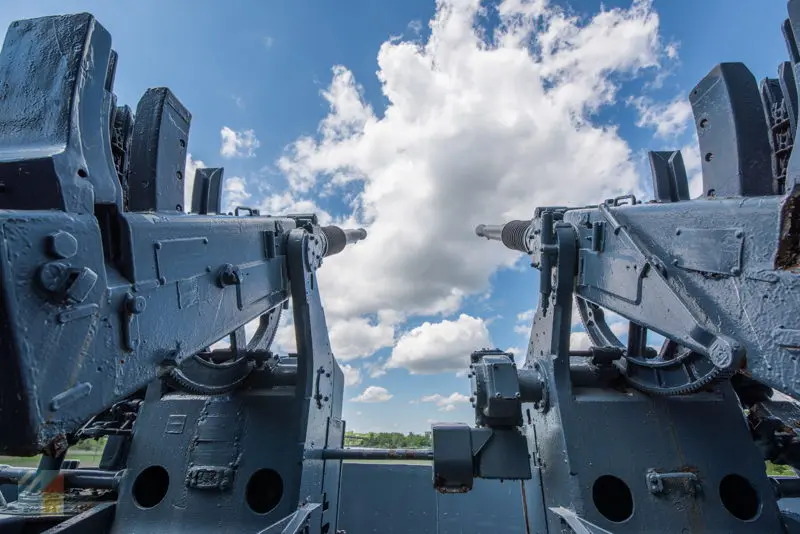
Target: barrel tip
{"points": [[479, 230], [362, 233]]}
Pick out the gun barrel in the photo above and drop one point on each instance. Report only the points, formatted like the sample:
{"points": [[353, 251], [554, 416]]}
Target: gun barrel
{"points": [[490, 231], [516, 235], [353, 235], [338, 238]]}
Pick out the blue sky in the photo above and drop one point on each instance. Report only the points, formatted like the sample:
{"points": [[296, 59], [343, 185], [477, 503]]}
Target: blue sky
{"points": [[419, 120]]}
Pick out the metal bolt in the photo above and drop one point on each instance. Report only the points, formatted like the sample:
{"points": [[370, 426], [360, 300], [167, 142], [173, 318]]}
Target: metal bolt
{"points": [[740, 234], [62, 245], [229, 275], [736, 271], [721, 354], [497, 395], [135, 305], [53, 276]]}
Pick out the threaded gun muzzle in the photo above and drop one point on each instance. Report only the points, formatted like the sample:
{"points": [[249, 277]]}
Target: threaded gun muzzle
{"points": [[339, 238], [513, 234]]}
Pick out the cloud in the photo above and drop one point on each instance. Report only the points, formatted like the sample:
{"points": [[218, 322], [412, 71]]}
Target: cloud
{"points": [[352, 375], [358, 338], [439, 347], [519, 354], [694, 168], [446, 404], [188, 178], [238, 144], [669, 119], [268, 41], [671, 50], [375, 369], [373, 394], [234, 193], [350, 339], [524, 322], [478, 128], [579, 340]]}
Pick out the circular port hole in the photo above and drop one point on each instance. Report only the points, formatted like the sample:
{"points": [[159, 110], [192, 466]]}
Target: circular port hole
{"points": [[264, 491], [739, 497], [151, 486], [709, 156], [612, 497]]}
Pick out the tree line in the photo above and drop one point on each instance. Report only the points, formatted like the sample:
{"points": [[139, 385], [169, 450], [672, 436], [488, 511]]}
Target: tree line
{"points": [[388, 440]]}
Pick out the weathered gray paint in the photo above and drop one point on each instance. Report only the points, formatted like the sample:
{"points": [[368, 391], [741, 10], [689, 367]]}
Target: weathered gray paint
{"points": [[394, 499], [111, 296]]}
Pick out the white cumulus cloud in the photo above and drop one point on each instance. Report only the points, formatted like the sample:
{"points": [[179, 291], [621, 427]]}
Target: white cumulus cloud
{"points": [[373, 394], [579, 340], [235, 144], [188, 178], [446, 404], [234, 193], [352, 375], [694, 168], [358, 338], [525, 321], [440, 347], [478, 128], [668, 119]]}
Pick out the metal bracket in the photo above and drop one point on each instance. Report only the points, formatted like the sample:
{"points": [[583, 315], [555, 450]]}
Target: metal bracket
{"points": [[655, 481]]}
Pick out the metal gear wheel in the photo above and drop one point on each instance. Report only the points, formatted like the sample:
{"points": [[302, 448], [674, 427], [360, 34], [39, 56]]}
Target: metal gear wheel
{"points": [[674, 370], [218, 372]]}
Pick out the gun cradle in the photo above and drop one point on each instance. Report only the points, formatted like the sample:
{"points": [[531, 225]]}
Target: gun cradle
{"points": [[80, 333], [112, 296], [623, 437]]}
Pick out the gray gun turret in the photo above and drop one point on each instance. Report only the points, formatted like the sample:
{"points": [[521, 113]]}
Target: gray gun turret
{"points": [[612, 436], [112, 296]]}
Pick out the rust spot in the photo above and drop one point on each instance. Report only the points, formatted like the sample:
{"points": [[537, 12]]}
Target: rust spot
{"points": [[788, 255]]}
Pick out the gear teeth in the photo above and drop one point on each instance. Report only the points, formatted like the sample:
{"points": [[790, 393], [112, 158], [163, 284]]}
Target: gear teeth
{"points": [[600, 334], [714, 377], [180, 381], [203, 378]]}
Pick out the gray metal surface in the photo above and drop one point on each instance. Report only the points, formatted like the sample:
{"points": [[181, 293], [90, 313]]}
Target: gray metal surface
{"points": [[656, 441], [112, 296], [395, 499]]}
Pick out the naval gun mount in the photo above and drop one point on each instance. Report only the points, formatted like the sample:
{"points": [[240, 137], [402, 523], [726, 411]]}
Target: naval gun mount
{"points": [[626, 437], [132, 292]]}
